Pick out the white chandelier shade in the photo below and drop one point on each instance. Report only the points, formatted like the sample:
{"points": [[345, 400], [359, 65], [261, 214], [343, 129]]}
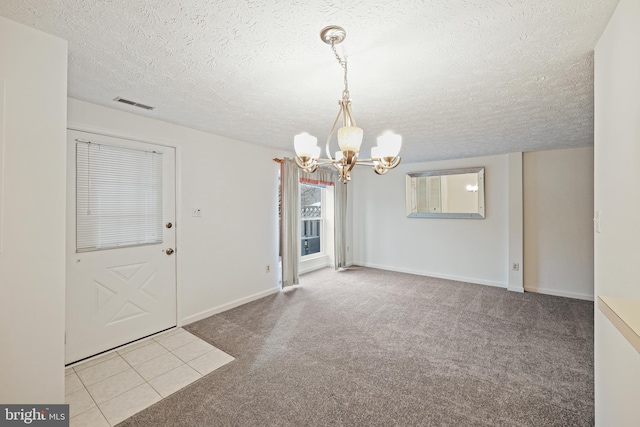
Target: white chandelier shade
{"points": [[389, 144], [350, 138], [306, 145]]}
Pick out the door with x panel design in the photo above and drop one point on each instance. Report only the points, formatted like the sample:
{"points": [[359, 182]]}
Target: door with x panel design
{"points": [[121, 266]]}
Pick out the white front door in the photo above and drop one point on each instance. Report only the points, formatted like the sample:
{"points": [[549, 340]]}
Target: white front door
{"points": [[121, 265]]}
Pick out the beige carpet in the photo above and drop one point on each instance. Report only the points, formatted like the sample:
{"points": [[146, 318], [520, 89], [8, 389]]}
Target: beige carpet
{"points": [[366, 347]]}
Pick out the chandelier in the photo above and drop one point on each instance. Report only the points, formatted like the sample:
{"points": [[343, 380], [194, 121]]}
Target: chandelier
{"points": [[383, 157]]}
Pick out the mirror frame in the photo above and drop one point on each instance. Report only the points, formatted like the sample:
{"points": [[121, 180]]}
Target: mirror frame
{"points": [[410, 196]]}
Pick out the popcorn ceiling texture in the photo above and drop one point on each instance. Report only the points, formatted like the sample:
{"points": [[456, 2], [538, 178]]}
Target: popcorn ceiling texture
{"points": [[455, 78]]}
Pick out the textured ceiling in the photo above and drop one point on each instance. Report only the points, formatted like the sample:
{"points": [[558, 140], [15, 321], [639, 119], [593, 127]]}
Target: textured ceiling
{"points": [[456, 78]]}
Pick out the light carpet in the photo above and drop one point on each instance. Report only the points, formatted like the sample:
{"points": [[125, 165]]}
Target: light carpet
{"points": [[366, 347]]}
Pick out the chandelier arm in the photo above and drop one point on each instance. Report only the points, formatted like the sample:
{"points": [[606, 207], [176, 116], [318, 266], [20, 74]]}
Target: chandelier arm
{"points": [[322, 161], [354, 161], [380, 171], [369, 162], [394, 163], [352, 121], [338, 167], [333, 128], [309, 168], [344, 177], [299, 163], [381, 164], [365, 162], [343, 109]]}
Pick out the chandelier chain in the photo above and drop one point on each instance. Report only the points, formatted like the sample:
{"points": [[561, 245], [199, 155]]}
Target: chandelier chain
{"points": [[343, 64]]}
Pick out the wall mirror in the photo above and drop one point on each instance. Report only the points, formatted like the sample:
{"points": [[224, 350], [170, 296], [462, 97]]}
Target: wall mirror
{"points": [[451, 193]]}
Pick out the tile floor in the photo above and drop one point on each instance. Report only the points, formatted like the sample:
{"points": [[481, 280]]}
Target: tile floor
{"points": [[112, 387]]}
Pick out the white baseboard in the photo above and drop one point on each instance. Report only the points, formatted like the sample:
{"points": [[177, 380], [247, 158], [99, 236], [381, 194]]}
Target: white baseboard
{"points": [[432, 274], [307, 266], [309, 270], [558, 293], [228, 306], [515, 289]]}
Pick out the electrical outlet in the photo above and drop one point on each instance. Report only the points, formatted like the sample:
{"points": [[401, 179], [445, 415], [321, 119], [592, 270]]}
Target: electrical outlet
{"points": [[515, 266], [196, 212], [267, 268]]}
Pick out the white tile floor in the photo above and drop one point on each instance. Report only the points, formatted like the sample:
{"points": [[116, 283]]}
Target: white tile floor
{"points": [[110, 388]]}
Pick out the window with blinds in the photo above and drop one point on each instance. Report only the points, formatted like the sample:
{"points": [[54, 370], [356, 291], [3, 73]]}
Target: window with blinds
{"points": [[118, 197]]}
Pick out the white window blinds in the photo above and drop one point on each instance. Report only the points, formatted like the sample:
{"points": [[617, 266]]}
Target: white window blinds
{"points": [[118, 197]]}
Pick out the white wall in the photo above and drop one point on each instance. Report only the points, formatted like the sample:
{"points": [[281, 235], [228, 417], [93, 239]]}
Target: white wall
{"points": [[471, 250], [558, 222], [222, 255], [516, 222], [33, 78], [617, 246]]}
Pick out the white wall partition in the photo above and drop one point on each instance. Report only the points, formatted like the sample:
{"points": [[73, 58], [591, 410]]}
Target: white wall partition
{"points": [[617, 202], [558, 222], [472, 250], [515, 223], [223, 253], [33, 86]]}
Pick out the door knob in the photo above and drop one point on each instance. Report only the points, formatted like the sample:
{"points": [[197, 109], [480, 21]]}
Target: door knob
{"points": [[169, 251], [168, 225]]}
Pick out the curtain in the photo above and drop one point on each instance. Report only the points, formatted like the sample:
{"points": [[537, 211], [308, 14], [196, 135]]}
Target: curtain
{"points": [[340, 224], [290, 222], [322, 176]]}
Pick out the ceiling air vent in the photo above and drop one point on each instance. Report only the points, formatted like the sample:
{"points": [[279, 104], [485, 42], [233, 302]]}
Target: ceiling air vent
{"points": [[135, 104]]}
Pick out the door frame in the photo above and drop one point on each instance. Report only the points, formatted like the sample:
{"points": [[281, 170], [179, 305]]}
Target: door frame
{"points": [[178, 194]]}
